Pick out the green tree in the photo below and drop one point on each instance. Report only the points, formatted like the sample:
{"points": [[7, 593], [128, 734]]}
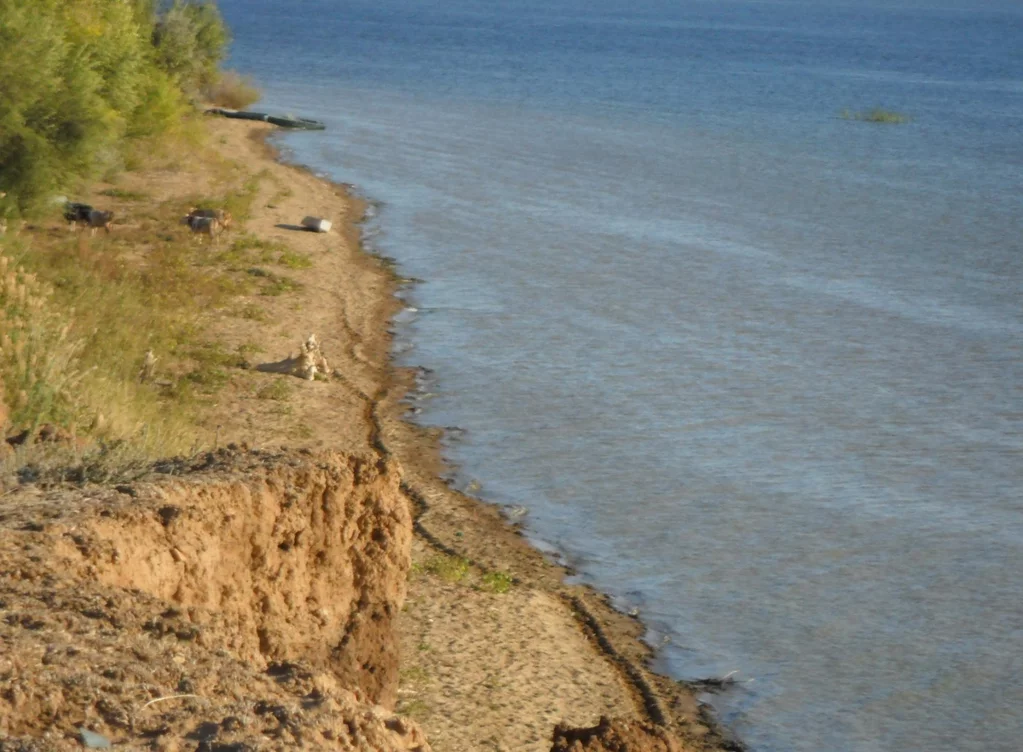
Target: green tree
{"points": [[79, 77], [191, 40]]}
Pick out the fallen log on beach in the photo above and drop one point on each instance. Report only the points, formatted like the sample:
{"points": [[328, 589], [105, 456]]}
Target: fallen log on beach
{"points": [[284, 121]]}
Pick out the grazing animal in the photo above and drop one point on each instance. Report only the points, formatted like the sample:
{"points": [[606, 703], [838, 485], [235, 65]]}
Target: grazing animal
{"points": [[204, 226], [76, 213], [98, 219], [221, 215], [85, 216]]}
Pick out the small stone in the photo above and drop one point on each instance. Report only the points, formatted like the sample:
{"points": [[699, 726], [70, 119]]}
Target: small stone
{"points": [[92, 740]]}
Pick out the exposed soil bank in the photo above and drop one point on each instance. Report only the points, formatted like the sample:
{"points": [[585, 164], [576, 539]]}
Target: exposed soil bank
{"points": [[262, 587]]}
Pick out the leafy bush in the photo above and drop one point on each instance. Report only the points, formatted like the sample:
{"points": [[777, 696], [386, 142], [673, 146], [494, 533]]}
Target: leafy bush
{"points": [[190, 40], [82, 77]]}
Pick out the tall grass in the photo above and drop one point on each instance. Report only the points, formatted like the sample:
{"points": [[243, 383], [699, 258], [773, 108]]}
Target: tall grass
{"points": [[77, 315], [39, 360]]}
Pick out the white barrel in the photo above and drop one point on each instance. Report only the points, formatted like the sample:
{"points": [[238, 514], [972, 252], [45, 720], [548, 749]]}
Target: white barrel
{"points": [[316, 224]]}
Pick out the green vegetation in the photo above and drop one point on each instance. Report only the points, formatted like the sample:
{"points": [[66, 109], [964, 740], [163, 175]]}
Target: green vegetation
{"points": [[82, 316], [497, 582], [278, 389], [190, 40], [249, 249], [92, 88], [876, 115], [294, 260], [456, 569], [277, 285], [37, 357], [251, 312], [84, 81], [451, 569]]}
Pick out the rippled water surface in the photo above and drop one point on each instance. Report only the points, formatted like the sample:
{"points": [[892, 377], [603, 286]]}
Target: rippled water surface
{"points": [[753, 368]]}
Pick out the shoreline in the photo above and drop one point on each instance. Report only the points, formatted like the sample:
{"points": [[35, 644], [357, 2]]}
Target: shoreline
{"points": [[492, 543], [491, 649]]}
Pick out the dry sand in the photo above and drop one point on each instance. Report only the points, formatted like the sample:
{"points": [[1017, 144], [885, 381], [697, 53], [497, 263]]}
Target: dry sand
{"points": [[495, 648]]}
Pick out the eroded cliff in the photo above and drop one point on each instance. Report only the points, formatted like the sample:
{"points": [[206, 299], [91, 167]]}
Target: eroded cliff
{"points": [[238, 599]]}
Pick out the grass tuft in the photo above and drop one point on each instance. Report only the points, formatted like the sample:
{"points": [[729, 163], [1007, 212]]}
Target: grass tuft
{"points": [[451, 569], [294, 260], [497, 582], [278, 390], [276, 285]]}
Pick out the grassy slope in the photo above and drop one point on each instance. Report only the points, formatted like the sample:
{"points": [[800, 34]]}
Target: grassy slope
{"points": [[91, 306]]}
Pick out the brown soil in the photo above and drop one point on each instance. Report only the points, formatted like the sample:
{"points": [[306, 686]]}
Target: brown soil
{"points": [[614, 736], [269, 584], [245, 599]]}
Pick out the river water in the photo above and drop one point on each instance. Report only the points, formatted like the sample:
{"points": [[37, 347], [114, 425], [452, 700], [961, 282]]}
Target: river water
{"points": [[753, 367]]}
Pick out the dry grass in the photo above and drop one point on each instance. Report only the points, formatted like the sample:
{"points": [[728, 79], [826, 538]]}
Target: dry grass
{"points": [[78, 313], [234, 91]]}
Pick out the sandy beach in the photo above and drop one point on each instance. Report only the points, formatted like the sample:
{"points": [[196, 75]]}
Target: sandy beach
{"points": [[495, 648]]}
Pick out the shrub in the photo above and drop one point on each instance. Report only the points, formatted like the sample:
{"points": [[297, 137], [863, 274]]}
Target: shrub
{"points": [[191, 40], [232, 90], [79, 76], [83, 78]]}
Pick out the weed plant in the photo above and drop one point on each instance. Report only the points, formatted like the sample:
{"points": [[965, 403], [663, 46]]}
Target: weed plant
{"points": [[497, 582], [451, 569]]}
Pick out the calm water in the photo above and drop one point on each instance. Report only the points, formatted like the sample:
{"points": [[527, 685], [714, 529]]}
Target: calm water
{"points": [[753, 368]]}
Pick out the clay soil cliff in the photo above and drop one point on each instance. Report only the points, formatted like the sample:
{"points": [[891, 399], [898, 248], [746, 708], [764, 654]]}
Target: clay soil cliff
{"points": [[246, 600]]}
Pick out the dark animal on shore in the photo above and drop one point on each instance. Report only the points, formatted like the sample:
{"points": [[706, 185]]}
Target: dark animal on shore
{"points": [[221, 215], [75, 213], [85, 216], [204, 226], [98, 219]]}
